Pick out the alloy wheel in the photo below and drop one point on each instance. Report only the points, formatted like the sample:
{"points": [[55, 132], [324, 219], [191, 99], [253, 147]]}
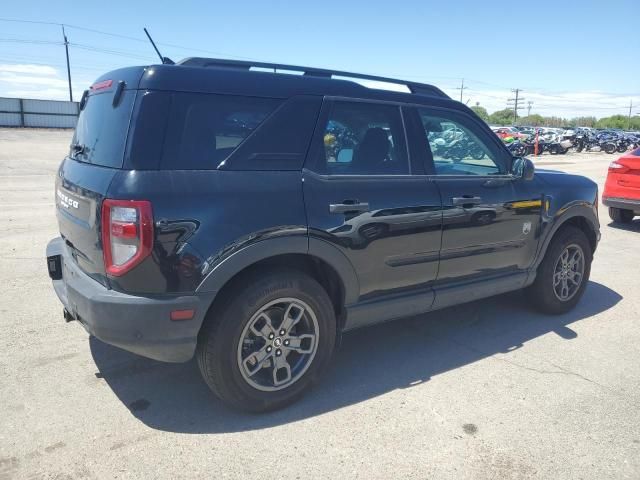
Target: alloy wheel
{"points": [[278, 344], [568, 272]]}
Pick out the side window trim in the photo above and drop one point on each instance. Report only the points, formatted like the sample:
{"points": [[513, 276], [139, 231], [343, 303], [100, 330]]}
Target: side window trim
{"points": [[420, 153], [406, 140], [488, 141], [314, 161]]}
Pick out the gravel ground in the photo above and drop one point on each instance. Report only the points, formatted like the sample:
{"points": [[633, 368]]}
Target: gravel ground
{"points": [[487, 390]]}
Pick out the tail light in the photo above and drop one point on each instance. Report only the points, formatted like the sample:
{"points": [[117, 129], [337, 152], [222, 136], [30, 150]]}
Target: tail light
{"points": [[127, 234], [615, 167]]}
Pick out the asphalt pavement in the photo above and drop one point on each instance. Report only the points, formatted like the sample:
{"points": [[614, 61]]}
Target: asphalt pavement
{"points": [[487, 390]]}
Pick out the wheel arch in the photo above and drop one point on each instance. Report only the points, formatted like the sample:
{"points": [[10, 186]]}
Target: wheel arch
{"points": [[317, 258], [579, 216]]}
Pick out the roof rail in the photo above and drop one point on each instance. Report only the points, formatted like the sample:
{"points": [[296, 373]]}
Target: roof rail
{"points": [[416, 88]]}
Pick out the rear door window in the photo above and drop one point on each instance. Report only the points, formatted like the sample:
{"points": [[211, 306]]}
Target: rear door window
{"points": [[101, 132], [204, 129], [362, 138]]}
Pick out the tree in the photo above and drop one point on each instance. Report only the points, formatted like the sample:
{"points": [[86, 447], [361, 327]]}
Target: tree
{"points": [[481, 112], [583, 122], [501, 117], [619, 121], [533, 120], [555, 122]]}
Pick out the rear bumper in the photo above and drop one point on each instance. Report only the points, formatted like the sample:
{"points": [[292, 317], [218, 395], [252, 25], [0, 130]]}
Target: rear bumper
{"points": [[139, 324], [622, 203]]}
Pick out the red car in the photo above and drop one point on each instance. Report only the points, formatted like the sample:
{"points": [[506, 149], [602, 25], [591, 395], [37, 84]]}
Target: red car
{"points": [[622, 189], [504, 132]]}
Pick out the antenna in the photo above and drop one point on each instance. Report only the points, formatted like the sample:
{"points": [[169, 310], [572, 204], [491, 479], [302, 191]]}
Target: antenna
{"points": [[166, 60]]}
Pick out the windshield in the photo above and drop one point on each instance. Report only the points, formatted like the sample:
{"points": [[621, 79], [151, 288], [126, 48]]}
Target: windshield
{"points": [[102, 128]]}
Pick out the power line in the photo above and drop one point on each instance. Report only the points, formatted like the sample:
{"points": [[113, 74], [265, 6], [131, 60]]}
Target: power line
{"points": [[28, 21], [128, 37], [22, 40], [13, 61], [568, 102], [110, 52]]}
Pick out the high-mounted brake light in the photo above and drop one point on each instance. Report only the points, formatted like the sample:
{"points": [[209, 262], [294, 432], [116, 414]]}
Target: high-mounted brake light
{"points": [[127, 234], [101, 85]]}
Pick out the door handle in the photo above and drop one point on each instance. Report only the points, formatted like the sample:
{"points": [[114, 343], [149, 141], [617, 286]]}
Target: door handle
{"points": [[466, 200], [349, 207]]}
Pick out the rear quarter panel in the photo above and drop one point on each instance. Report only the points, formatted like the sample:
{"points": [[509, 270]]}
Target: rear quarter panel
{"points": [[624, 185], [203, 216]]}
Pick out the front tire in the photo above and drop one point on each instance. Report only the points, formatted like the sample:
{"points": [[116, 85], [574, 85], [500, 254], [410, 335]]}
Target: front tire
{"points": [[269, 341], [620, 215], [563, 274]]}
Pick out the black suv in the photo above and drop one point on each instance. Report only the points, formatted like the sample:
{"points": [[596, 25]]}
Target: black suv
{"points": [[250, 213]]}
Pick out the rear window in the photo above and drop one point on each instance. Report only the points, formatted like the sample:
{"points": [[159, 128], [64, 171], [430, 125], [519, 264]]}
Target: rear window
{"points": [[101, 132], [204, 129]]}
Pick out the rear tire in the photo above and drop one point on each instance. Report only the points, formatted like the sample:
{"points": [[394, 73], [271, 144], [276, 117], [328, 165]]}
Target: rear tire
{"points": [[620, 215], [609, 148], [243, 354], [547, 293]]}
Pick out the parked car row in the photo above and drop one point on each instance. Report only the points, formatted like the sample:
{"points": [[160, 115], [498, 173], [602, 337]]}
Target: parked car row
{"points": [[536, 140]]}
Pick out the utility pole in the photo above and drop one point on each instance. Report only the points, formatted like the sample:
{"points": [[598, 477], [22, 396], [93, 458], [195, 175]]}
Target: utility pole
{"points": [[515, 102], [66, 49], [462, 88], [529, 103], [629, 119]]}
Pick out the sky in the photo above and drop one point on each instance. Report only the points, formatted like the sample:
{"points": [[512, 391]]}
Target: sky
{"points": [[568, 58]]}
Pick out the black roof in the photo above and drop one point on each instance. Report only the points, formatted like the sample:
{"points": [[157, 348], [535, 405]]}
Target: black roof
{"points": [[232, 77]]}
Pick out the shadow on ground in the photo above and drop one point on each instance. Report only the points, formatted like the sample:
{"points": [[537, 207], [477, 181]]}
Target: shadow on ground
{"points": [[371, 362], [633, 226]]}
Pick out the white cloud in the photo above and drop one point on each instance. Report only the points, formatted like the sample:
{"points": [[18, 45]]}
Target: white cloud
{"points": [[44, 94], [37, 81], [561, 104], [47, 82], [29, 69], [17, 79]]}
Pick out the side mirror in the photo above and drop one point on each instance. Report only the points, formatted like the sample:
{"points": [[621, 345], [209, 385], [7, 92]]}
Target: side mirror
{"points": [[523, 168]]}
